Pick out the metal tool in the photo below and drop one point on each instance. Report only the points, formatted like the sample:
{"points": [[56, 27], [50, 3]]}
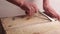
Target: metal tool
{"points": [[51, 19]]}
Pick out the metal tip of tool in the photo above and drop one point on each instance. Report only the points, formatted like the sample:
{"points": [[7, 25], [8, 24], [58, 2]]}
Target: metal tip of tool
{"points": [[51, 19]]}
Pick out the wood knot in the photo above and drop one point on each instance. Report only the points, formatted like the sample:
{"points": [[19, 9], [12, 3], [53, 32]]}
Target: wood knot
{"points": [[36, 33]]}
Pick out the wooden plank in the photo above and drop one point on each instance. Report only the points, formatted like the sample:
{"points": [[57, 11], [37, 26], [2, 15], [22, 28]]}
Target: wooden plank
{"points": [[37, 24]]}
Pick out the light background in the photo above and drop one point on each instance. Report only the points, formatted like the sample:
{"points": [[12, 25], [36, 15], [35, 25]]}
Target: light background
{"points": [[9, 9]]}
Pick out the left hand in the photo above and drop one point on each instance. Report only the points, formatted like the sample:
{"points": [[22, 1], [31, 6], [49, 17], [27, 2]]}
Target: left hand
{"points": [[30, 8]]}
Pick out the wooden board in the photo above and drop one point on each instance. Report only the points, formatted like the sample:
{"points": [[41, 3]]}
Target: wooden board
{"points": [[35, 25]]}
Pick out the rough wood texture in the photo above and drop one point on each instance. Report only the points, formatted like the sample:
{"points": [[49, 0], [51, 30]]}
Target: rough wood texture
{"points": [[2, 31], [35, 25]]}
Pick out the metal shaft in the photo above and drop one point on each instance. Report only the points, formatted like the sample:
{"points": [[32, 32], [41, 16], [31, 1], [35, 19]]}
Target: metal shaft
{"points": [[51, 19]]}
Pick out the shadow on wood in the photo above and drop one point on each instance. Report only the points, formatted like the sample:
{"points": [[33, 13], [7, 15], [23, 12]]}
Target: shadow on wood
{"points": [[2, 31]]}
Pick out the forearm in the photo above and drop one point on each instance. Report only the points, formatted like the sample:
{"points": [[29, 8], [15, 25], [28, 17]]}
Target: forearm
{"points": [[46, 3], [20, 1], [17, 2]]}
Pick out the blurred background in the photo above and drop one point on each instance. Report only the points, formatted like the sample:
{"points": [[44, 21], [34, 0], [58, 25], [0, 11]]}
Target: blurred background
{"points": [[9, 9]]}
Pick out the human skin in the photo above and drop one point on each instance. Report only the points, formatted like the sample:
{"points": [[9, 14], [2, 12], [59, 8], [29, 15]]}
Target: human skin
{"points": [[29, 8], [49, 10]]}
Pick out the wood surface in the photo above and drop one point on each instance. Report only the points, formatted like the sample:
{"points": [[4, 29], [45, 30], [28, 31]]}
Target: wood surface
{"points": [[37, 24]]}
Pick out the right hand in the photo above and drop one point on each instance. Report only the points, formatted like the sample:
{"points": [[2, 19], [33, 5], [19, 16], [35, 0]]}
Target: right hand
{"points": [[49, 10]]}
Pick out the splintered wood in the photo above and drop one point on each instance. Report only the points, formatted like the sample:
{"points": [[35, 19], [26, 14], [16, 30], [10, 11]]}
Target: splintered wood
{"points": [[37, 24]]}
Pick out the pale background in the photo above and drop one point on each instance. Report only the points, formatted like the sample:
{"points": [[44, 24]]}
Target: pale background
{"points": [[9, 9]]}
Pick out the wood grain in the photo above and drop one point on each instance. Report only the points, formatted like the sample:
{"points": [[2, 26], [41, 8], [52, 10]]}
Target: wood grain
{"points": [[37, 24]]}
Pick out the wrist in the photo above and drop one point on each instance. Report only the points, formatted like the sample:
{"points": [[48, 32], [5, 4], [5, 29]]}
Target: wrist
{"points": [[20, 2]]}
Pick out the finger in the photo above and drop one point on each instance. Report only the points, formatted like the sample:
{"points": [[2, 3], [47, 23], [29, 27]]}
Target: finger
{"points": [[32, 11], [29, 12], [35, 7], [27, 9]]}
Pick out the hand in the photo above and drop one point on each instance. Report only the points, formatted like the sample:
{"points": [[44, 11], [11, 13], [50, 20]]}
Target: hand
{"points": [[49, 10], [30, 8]]}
